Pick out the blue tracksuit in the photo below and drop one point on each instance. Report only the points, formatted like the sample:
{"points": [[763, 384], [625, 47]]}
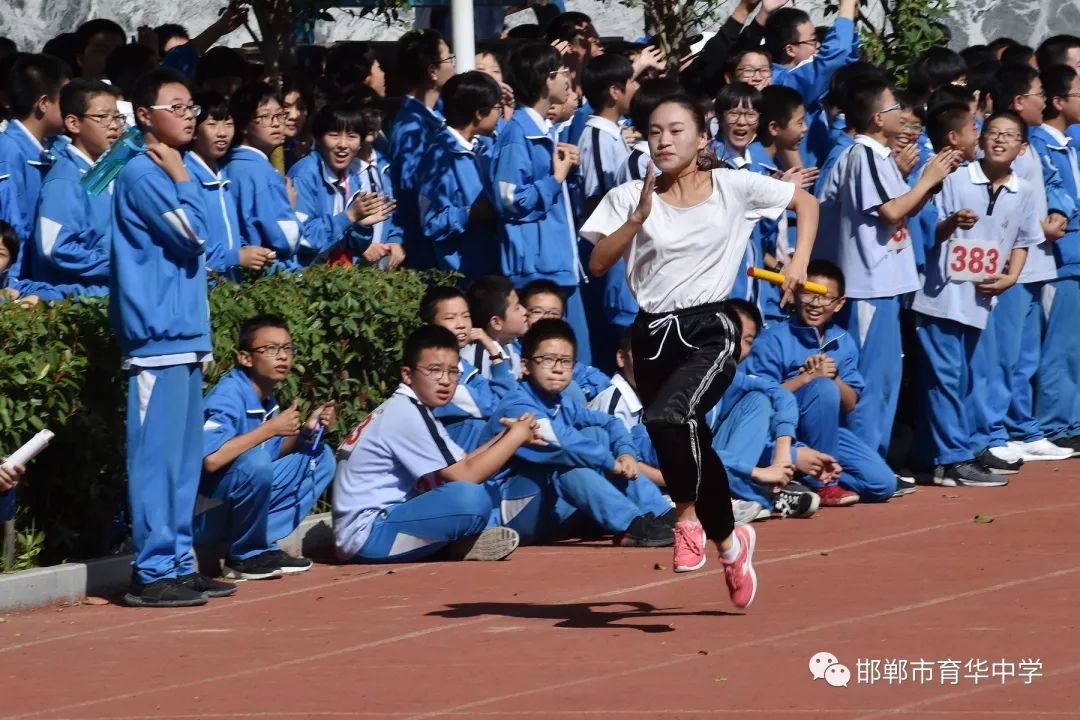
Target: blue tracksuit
{"points": [[322, 204], [1057, 382], [24, 158], [222, 218], [474, 401], [779, 354], [158, 306], [261, 496], [70, 252], [410, 138], [538, 238], [267, 218], [452, 180], [547, 483], [752, 413], [811, 77]]}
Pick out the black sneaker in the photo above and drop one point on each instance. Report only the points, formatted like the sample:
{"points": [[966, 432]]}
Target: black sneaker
{"points": [[966, 474], [646, 531], [992, 463], [210, 587], [791, 501], [289, 564], [260, 567], [1073, 443], [493, 544], [669, 518], [167, 592], [904, 486]]}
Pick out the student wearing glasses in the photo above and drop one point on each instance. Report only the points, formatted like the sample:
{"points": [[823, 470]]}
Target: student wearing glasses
{"points": [[865, 206], [159, 311], [818, 361], [404, 490], [266, 201], [263, 467], [70, 253]]}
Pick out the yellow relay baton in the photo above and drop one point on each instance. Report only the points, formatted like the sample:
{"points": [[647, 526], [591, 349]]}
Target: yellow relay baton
{"points": [[778, 279]]}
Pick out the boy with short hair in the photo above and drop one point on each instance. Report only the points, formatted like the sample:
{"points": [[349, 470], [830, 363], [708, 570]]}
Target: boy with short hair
{"points": [[528, 180], [817, 361], [456, 211], [589, 462], [34, 87], [543, 299], [987, 222], [1017, 321], [475, 397], [70, 252], [159, 310], [1057, 383], [609, 85], [495, 309], [262, 470], [868, 201], [426, 64], [403, 489]]}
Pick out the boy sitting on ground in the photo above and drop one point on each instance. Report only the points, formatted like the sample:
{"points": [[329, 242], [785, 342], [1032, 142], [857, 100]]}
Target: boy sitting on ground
{"points": [[262, 470], [589, 462], [404, 490]]}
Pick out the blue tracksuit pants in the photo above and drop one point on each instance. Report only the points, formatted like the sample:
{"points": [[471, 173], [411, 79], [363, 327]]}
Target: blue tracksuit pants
{"points": [[864, 471], [741, 439], [1020, 421], [259, 500], [946, 383], [164, 462], [875, 325], [1057, 383]]}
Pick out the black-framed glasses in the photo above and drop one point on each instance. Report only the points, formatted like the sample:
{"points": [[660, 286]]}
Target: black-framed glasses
{"points": [[448, 59], [272, 350], [106, 120], [815, 43], [271, 118], [749, 116], [809, 298], [538, 313], [179, 110], [439, 372], [1004, 135], [750, 72], [550, 361]]}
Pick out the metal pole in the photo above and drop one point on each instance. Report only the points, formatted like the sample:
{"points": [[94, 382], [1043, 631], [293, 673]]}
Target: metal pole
{"points": [[461, 15]]}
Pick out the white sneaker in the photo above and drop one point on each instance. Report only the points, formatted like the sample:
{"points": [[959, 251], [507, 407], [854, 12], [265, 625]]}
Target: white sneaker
{"points": [[1041, 449], [1006, 453]]}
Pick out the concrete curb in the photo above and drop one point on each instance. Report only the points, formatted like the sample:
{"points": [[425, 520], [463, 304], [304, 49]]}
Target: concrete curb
{"points": [[74, 582]]}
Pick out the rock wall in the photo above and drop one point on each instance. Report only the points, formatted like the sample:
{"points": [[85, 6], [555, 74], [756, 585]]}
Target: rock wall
{"points": [[31, 22]]}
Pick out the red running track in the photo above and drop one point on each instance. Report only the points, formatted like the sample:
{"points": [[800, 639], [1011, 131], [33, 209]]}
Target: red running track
{"points": [[596, 632]]}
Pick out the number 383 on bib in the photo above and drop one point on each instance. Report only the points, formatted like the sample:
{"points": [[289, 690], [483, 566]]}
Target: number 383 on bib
{"points": [[973, 260]]}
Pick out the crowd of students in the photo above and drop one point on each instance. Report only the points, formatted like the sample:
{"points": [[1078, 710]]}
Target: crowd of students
{"points": [[946, 260]]}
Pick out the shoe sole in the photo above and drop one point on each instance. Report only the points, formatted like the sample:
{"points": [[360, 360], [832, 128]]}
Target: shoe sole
{"points": [[139, 601], [491, 545], [905, 491], [951, 482], [1002, 471], [842, 503], [231, 574], [219, 593], [295, 570], [1046, 458]]}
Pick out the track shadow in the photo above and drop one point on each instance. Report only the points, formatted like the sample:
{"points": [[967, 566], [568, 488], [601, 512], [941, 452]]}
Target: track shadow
{"points": [[578, 615]]}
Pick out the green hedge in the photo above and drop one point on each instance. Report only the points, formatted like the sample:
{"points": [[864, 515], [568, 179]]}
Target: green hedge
{"points": [[60, 368]]}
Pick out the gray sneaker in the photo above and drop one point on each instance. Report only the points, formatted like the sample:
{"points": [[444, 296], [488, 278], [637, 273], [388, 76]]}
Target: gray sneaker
{"points": [[745, 511], [966, 474], [493, 544]]}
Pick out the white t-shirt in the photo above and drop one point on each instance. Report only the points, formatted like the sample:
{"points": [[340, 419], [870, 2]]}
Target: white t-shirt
{"points": [[686, 257]]}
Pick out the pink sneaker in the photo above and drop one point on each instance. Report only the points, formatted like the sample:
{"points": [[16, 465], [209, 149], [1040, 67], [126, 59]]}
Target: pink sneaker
{"points": [[689, 546], [740, 575]]}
